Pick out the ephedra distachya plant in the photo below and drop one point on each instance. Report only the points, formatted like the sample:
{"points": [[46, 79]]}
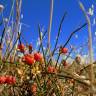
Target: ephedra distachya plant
{"points": [[25, 71]]}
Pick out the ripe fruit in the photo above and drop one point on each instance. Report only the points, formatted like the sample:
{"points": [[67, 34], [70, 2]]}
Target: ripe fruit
{"points": [[63, 50], [7, 79], [2, 79], [34, 88], [38, 57], [51, 69], [29, 59], [21, 47], [10, 80]]}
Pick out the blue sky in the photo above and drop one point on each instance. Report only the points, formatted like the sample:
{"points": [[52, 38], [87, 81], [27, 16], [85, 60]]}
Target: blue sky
{"points": [[37, 12]]}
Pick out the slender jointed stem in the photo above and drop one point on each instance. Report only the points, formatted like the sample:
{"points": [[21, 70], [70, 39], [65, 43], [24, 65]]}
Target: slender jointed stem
{"points": [[79, 28]]}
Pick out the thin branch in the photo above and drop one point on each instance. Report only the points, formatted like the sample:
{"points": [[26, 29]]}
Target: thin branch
{"points": [[41, 39], [67, 56], [41, 43], [18, 11], [78, 29], [13, 46], [59, 32], [3, 33], [19, 38]]}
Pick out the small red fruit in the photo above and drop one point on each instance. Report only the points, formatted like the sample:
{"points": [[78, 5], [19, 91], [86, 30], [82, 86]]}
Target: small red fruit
{"points": [[64, 50], [38, 57], [21, 47], [34, 88], [51, 69], [10, 80], [29, 59], [2, 79], [7, 79]]}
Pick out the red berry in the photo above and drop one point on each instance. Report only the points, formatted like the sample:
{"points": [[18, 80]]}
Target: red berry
{"points": [[51, 69], [7, 79], [10, 80], [2, 79], [13, 80], [64, 50], [38, 57], [21, 47], [29, 59], [34, 88]]}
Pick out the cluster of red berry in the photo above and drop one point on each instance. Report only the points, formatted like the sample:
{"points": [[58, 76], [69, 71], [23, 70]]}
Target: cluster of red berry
{"points": [[32, 58], [7, 80]]}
